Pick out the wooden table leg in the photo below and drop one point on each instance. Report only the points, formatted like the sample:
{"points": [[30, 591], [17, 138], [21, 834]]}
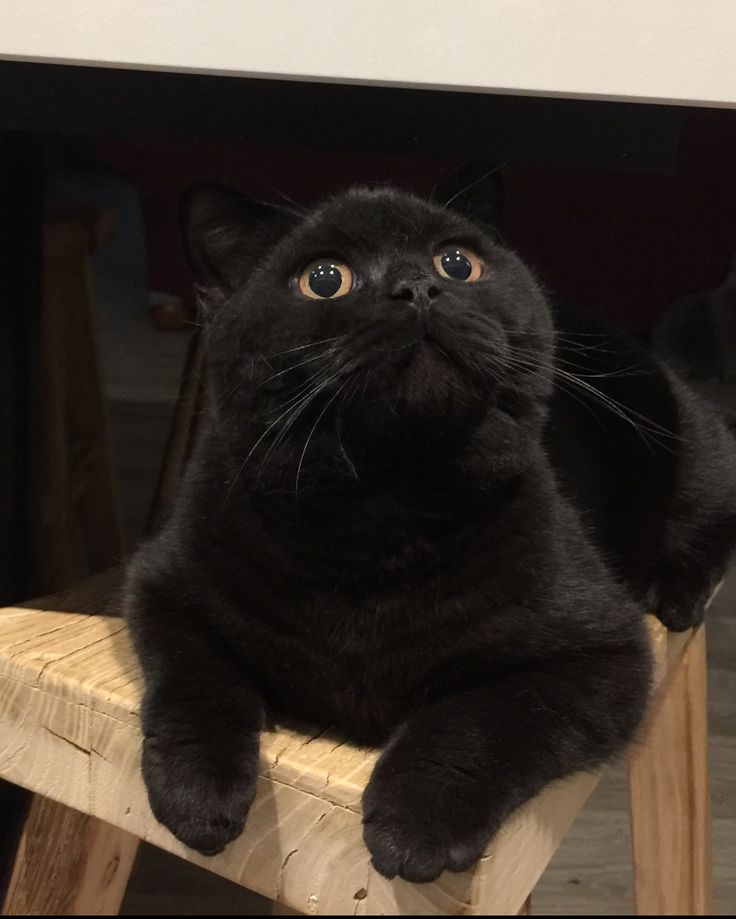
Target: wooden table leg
{"points": [[668, 778], [68, 864]]}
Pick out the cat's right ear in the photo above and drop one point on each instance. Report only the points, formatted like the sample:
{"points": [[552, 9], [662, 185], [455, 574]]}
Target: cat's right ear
{"points": [[224, 235]]}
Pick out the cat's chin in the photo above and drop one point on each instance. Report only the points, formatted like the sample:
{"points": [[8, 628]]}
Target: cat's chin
{"points": [[428, 375], [429, 350], [424, 396]]}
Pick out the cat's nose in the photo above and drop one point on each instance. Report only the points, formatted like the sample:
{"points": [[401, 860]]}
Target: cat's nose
{"points": [[419, 291]]}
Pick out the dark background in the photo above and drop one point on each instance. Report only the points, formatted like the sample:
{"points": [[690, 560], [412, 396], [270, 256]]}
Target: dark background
{"points": [[619, 207]]}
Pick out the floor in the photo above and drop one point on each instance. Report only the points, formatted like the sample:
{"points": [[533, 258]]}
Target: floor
{"points": [[590, 873]]}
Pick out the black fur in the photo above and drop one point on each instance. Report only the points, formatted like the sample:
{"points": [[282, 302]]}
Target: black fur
{"points": [[447, 550]]}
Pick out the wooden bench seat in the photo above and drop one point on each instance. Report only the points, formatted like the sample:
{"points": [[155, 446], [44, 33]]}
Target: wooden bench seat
{"points": [[70, 689]]}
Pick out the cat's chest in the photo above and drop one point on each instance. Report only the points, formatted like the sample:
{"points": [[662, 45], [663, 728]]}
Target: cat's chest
{"points": [[360, 668], [362, 698]]}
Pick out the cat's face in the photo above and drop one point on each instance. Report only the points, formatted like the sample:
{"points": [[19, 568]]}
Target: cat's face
{"points": [[374, 313]]}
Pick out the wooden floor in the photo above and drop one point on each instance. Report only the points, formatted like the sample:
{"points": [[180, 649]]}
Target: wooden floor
{"points": [[591, 873]]}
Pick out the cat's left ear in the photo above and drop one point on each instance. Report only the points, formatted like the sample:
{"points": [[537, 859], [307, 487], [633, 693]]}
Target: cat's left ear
{"points": [[225, 234]]}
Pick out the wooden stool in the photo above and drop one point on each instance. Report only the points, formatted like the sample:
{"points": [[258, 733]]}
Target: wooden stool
{"points": [[74, 483], [75, 522], [70, 690]]}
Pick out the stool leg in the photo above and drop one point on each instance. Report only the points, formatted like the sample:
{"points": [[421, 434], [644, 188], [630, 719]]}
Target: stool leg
{"points": [[52, 519], [668, 781], [68, 864], [94, 481]]}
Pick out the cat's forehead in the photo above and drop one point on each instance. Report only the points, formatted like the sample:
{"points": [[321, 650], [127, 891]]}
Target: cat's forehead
{"points": [[384, 217]]}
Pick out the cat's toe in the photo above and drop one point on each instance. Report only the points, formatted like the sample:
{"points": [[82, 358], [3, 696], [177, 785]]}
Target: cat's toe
{"points": [[202, 808], [206, 833], [206, 820], [416, 850], [394, 853], [418, 843]]}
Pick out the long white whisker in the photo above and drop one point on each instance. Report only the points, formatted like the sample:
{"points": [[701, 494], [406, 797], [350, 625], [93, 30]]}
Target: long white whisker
{"points": [[644, 426], [314, 428], [630, 371], [348, 394], [309, 360], [264, 434], [311, 344], [295, 411], [303, 388], [485, 175]]}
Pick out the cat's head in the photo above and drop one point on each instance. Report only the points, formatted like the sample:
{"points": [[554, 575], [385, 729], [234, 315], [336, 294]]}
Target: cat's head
{"points": [[374, 318]]}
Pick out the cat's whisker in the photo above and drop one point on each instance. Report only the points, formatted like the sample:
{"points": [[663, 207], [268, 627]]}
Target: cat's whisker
{"points": [[300, 404], [228, 395], [481, 178], [314, 428], [611, 336], [646, 428], [297, 408], [625, 411], [296, 394], [309, 360], [294, 413], [631, 371], [571, 391], [265, 433], [311, 344], [341, 446], [571, 341]]}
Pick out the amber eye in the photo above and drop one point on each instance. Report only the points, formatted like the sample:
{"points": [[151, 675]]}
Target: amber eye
{"points": [[458, 263], [326, 279]]}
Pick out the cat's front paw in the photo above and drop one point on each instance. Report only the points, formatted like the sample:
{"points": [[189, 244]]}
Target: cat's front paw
{"points": [[679, 616], [202, 802], [679, 610], [418, 824]]}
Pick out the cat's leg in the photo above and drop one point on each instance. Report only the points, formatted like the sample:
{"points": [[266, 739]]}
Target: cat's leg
{"points": [[200, 719], [454, 772], [699, 534]]}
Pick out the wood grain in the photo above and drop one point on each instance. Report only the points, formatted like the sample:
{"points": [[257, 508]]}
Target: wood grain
{"points": [[52, 523], [668, 777], [95, 488], [83, 872], [67, 863], [73, 468], [70, 689]]}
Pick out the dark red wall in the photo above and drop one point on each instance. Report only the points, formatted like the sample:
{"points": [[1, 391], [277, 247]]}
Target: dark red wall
{"points": [[625, 243], [631, 243]]}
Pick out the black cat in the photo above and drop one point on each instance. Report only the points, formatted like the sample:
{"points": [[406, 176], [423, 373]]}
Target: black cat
{"points": [[424, 511]]}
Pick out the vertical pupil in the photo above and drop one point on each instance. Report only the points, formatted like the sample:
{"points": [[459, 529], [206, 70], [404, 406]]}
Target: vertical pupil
{"points": [[456, 265], [325, 280]]}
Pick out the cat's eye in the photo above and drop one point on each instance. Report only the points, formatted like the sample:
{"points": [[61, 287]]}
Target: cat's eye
{"points": [[326, 279], [458, 263]]}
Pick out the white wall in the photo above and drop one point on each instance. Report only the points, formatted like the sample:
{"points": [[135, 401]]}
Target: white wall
{"points": [[648, 50]]}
